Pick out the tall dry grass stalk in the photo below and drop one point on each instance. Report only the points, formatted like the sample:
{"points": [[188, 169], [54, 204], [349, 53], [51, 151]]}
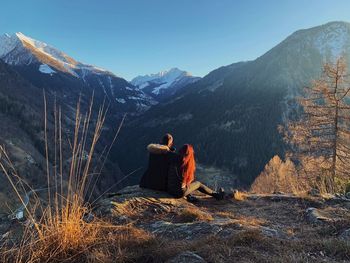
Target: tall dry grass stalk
{"points": [[60, 227]]}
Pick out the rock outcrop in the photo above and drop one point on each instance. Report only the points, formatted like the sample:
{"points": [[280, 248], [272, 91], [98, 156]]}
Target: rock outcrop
{"points": [[177, 219]]}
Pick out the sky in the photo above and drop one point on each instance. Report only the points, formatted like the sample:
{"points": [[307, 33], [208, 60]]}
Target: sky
{"points": [[138, 37]]}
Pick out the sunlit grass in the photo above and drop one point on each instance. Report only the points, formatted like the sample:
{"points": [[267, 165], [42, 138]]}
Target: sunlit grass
{"points": [[61, 227], [239, 196]]}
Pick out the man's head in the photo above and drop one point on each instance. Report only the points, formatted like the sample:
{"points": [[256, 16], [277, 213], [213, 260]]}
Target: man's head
{"points": [[167, 140]]}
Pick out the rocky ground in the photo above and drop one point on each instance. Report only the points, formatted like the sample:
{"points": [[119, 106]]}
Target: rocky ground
{"points": [[248, 228], [243, 228]]}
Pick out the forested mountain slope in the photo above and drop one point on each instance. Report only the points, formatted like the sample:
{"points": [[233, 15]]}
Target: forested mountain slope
{"points": [[232, 114]]}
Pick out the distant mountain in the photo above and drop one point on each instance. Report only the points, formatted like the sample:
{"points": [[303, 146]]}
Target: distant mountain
{"points": [[165, 83], [14, 51], [53, 70], [27, 67], [231, 115]]}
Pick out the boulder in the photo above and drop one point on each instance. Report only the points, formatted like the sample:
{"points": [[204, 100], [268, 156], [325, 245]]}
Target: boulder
{"points": [[315, 216], [345, 235], [133, 200], [271, 232]]}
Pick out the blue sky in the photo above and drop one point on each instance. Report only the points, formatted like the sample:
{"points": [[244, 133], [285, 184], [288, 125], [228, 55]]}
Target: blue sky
{"points": [[139, 37]]}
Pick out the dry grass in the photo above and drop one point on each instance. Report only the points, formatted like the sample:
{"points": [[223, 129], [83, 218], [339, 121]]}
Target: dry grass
{"points": [[225, 214], [241, 247], [57, 229], [193, 214], [296, 239], [107, 244], [243, 220], [251, 221], [253, 246], [239, 196]]}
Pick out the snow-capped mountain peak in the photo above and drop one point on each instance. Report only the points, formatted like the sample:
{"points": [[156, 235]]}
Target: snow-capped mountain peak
{"points": [[46, 49], [19, 49], [167, 81], [46, 66], [164, 76], [8, 43]]}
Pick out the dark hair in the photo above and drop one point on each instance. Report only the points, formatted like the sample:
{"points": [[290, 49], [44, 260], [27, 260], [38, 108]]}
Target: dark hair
{"points": [[166, 139]]}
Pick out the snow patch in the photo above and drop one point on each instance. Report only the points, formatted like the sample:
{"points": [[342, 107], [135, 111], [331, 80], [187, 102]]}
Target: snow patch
{"points": [[120, 100], [46, 69], [144, 85], [133, 98]]}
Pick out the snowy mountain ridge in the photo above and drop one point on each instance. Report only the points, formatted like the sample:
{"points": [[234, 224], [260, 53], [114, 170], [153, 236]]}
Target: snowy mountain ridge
{"points": [[13, 49], [162, 76], [45, 66], [167, 81]]}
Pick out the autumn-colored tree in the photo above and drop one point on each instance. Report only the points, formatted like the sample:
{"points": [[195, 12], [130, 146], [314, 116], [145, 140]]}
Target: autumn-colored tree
{"points": [[278, 176], [320, 139]]}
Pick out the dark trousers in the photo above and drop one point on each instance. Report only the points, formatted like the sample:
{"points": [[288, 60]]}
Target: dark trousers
{"points": [[197, 186]]}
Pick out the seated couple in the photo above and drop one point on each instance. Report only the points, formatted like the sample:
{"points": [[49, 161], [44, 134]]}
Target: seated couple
{"points": [[174, 172]]}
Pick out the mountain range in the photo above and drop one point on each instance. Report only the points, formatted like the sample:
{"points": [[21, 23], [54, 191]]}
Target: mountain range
{"points": [[164, 84], [50, 68], [28, 69], [230, 115]]}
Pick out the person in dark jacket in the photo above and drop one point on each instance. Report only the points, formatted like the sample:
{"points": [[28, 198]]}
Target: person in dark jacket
{"points": [[181, 178], [156, 175]]}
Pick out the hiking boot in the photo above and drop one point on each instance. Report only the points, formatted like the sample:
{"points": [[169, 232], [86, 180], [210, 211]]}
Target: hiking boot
{"points": [[219, 195]]}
